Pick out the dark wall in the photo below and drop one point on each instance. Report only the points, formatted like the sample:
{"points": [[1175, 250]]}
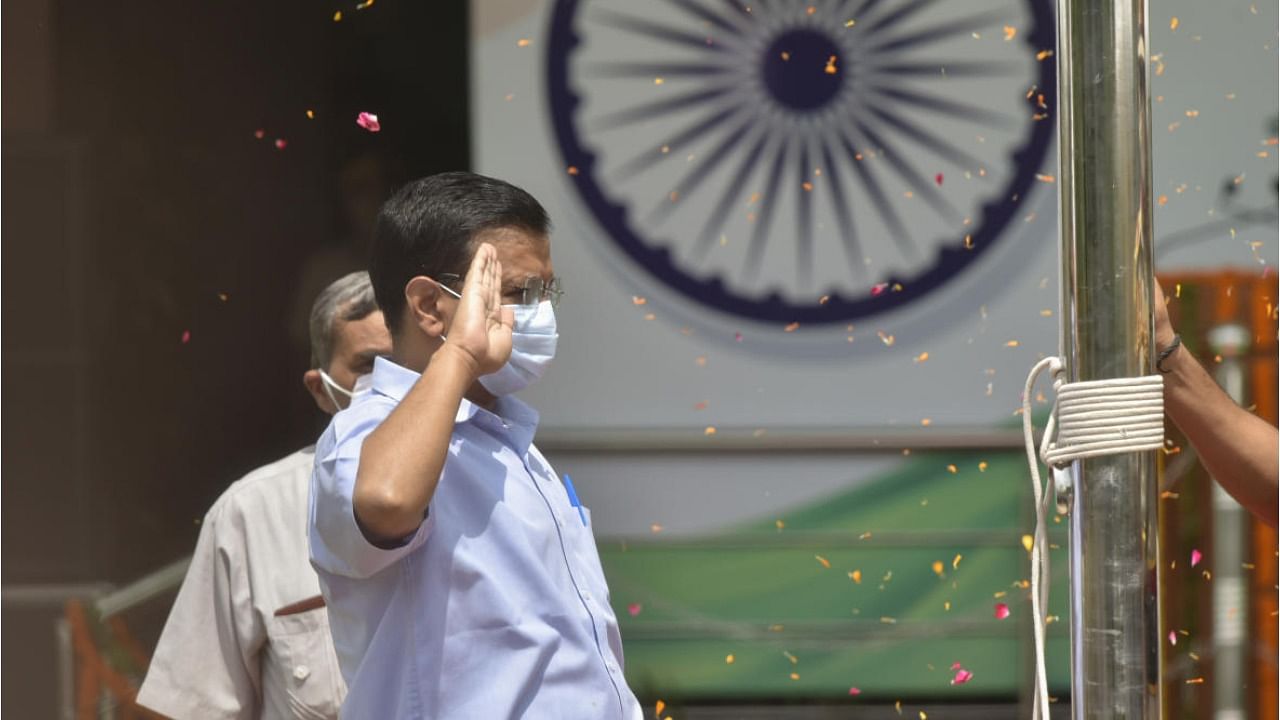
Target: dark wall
{"points": [[139, 209]]}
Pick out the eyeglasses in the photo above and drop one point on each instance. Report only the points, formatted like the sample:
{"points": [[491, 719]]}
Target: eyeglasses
{"points": [[533, 291]]}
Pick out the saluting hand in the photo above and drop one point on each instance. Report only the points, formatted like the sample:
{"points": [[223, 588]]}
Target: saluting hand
{"points": [[482, 326]]}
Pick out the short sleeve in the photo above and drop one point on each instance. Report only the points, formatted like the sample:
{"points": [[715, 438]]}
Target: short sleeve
{"points": [[338, 545], [207, 661]]}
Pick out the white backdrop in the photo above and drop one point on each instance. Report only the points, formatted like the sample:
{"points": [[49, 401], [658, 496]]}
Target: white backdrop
{"points": [[685, 368]]}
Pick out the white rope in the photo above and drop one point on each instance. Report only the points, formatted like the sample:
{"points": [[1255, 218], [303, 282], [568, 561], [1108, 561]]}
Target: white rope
{"points": [[1097, 417]]}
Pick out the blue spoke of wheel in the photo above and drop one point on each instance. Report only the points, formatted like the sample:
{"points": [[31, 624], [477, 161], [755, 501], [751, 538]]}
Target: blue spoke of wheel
{"points": [[881, 203], [910, 175], [940, 147], [655, 30], [649, 158], [902, 13], [948, 69], [732, 190], [804, 220], [948, 107], [755, 251], [655, 69], [693, 8], [846, 230], [934, 33], [693, 179], [657, 108]]}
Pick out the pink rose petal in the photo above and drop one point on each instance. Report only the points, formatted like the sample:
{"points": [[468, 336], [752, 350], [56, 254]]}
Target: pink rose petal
{"points": [[956, 666], [281, 143], [259, 133], [938, 178], [1002, 611], [368, 121], [186, 336], [962, 677], [1173, 638], [737, 337], [854, 691], [634, 609], [1195, 558], [879, 288]]}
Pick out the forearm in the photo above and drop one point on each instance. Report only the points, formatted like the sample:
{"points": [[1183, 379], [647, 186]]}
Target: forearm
{"points": [[1237, 447], [401, 461]]}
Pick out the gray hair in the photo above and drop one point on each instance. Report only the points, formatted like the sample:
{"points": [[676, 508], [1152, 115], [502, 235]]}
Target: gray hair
{"points": [[346, 299]]}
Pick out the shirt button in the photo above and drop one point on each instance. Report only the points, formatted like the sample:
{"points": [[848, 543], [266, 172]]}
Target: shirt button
{"points": [[302, 672]]}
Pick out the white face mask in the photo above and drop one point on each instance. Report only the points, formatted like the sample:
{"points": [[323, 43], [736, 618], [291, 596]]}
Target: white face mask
{"points": [[533, 346], [331, 386]]}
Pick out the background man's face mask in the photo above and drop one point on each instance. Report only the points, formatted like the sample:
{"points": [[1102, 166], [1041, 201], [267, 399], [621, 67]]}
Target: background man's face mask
{"points": [[331, 386]]}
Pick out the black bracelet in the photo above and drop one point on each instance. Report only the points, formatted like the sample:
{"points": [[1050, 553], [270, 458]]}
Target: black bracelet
{"points": [[1165, 353]]}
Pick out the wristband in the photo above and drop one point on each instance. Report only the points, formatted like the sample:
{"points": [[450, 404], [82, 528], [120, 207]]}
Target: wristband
{"points": [[1165, 353]]}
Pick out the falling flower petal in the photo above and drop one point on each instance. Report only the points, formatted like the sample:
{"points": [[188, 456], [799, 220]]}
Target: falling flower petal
{"points": [[825, 562], [1173, 638], [186, 336], [368, 121], [1002, 611], [659, 707], [1195, 558], [259, 134], [938, 178], [854, 691], [728, 659], [879, 288], [962, 676], [281, 143], [634, 609]]}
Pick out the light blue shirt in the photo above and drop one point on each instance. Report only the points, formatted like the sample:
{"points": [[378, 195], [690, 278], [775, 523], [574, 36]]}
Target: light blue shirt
{"points": [[496, 608]]}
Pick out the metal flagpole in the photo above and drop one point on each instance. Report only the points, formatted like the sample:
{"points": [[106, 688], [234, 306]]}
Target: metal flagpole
{"points": [[1105, 177]]}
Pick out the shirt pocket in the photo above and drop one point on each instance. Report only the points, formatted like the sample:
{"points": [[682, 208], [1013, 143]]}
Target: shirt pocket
{"points": [[305, 668]]}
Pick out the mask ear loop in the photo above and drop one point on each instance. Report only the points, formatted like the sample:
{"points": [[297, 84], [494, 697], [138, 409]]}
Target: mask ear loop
{"points": [[452, 292], [330, 386]]}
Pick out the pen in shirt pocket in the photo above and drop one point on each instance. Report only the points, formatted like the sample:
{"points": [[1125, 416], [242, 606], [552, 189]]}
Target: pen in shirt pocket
{"points": [[573, 498]]}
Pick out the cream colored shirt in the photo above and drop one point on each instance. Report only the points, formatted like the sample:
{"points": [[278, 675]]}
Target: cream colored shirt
{"points": [[224, 652]]}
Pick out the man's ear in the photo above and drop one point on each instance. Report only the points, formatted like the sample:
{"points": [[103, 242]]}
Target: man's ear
{"points": [[422, 301], [315, 386]]}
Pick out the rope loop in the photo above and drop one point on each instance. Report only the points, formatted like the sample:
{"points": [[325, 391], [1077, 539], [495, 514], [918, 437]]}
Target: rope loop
{"points": [[1092, 418]]}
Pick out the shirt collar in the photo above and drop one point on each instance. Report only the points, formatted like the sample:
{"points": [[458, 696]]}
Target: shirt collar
{"points": [[515, 417]]}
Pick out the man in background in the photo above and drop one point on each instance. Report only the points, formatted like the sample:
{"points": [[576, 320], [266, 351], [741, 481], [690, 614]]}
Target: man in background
{"points": [[248, 636]]}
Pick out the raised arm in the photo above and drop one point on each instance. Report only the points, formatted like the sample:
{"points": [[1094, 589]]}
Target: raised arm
{"points": [[1237, 447], [401, 461]]}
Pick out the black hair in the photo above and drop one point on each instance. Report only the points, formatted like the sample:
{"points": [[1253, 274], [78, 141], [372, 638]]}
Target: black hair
{"points": [[428, 226]]}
